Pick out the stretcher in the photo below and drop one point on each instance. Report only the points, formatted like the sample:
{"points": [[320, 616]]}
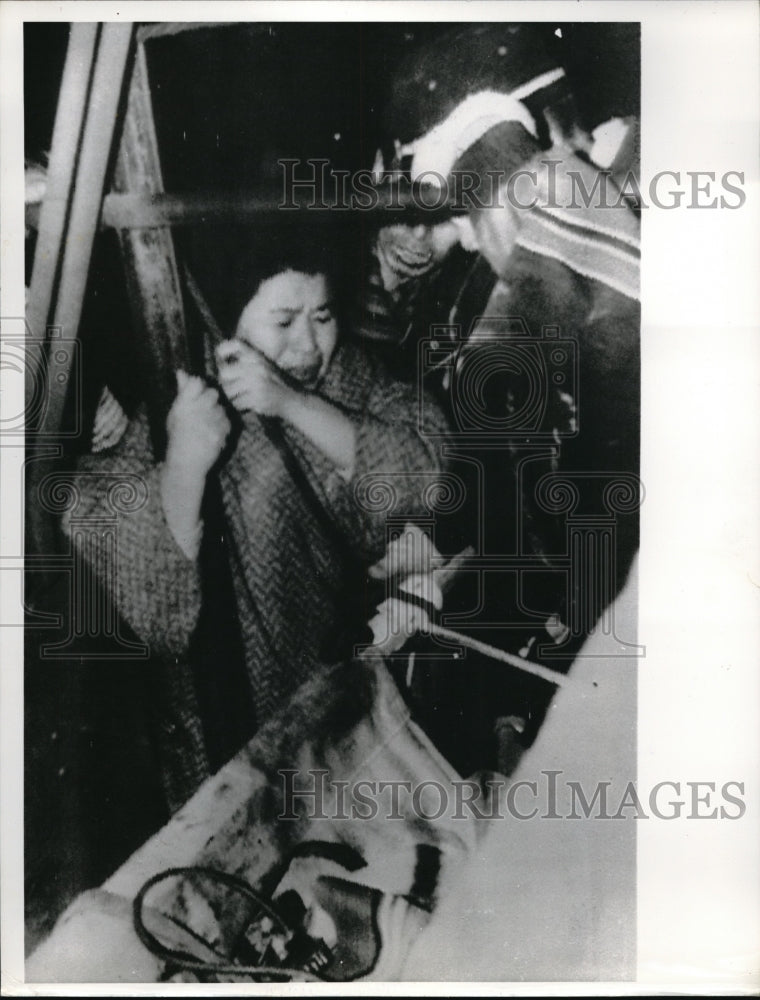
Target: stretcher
{"points": [[514, 879]]}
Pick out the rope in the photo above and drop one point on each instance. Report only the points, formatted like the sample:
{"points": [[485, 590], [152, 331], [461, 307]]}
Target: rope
{"points": [[175, 958]]}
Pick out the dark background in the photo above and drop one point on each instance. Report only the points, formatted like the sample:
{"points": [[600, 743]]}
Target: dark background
{"points": [[228, 103], [293, 86]]}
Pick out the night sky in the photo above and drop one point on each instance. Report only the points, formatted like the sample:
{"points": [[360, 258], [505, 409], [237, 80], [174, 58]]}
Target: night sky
{"points": [[227, 98]]}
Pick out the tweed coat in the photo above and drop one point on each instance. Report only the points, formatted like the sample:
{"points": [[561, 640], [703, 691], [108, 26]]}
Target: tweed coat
{"points": [[296, 575]]}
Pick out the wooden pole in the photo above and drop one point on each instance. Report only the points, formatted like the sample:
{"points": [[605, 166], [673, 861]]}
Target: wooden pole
{"points": [[83, 131], [67, 133], [85, 207]]}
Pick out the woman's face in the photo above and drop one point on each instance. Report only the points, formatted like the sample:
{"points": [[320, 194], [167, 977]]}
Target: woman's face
{"points": [[291, 320]]}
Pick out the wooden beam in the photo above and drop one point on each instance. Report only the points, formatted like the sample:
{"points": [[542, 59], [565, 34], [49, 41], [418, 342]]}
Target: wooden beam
{"points": [[150, 263], [148, 211], [163, 28], [155, 297]]}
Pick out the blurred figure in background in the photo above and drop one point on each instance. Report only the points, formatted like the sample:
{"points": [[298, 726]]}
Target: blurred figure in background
{"points": [[485, 112]]}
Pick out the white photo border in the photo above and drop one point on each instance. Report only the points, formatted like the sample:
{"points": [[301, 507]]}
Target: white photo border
{"points": [[699, 584]]}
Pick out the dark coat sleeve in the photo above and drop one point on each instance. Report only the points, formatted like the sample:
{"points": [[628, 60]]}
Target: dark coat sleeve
{"points": [[117, 524]]}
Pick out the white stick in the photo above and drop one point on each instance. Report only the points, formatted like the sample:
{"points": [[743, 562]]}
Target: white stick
{"points": [[498, 654]]}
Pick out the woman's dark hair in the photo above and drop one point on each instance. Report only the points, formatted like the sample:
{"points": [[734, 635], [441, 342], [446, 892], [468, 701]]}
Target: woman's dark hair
{"points": [[274, 255], [231, 263]]}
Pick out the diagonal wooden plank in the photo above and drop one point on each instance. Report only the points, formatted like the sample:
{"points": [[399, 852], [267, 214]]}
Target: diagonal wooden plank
{"points": [[149, 258], [155, 297]]}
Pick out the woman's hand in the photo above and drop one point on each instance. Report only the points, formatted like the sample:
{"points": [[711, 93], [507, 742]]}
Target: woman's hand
{"points": [[250, 381], [197, 426], [396, 621]]}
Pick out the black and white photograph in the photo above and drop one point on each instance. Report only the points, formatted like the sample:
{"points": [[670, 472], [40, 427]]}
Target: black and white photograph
{"points": [[382, 613]]}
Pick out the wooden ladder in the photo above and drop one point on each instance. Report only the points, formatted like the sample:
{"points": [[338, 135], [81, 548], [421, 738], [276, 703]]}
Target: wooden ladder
{"points": [[93, 115]]}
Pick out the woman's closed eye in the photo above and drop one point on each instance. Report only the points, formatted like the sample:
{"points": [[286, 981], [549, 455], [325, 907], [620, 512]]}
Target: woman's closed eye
{"points": [[283, 318], [323, 316]]}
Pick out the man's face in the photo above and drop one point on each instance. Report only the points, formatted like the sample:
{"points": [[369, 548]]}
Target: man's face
{"points": [[408, 252], [291, 320]]}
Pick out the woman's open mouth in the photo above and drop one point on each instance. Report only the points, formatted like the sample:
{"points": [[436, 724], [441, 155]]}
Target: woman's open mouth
{"points": [[306, 375]]}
